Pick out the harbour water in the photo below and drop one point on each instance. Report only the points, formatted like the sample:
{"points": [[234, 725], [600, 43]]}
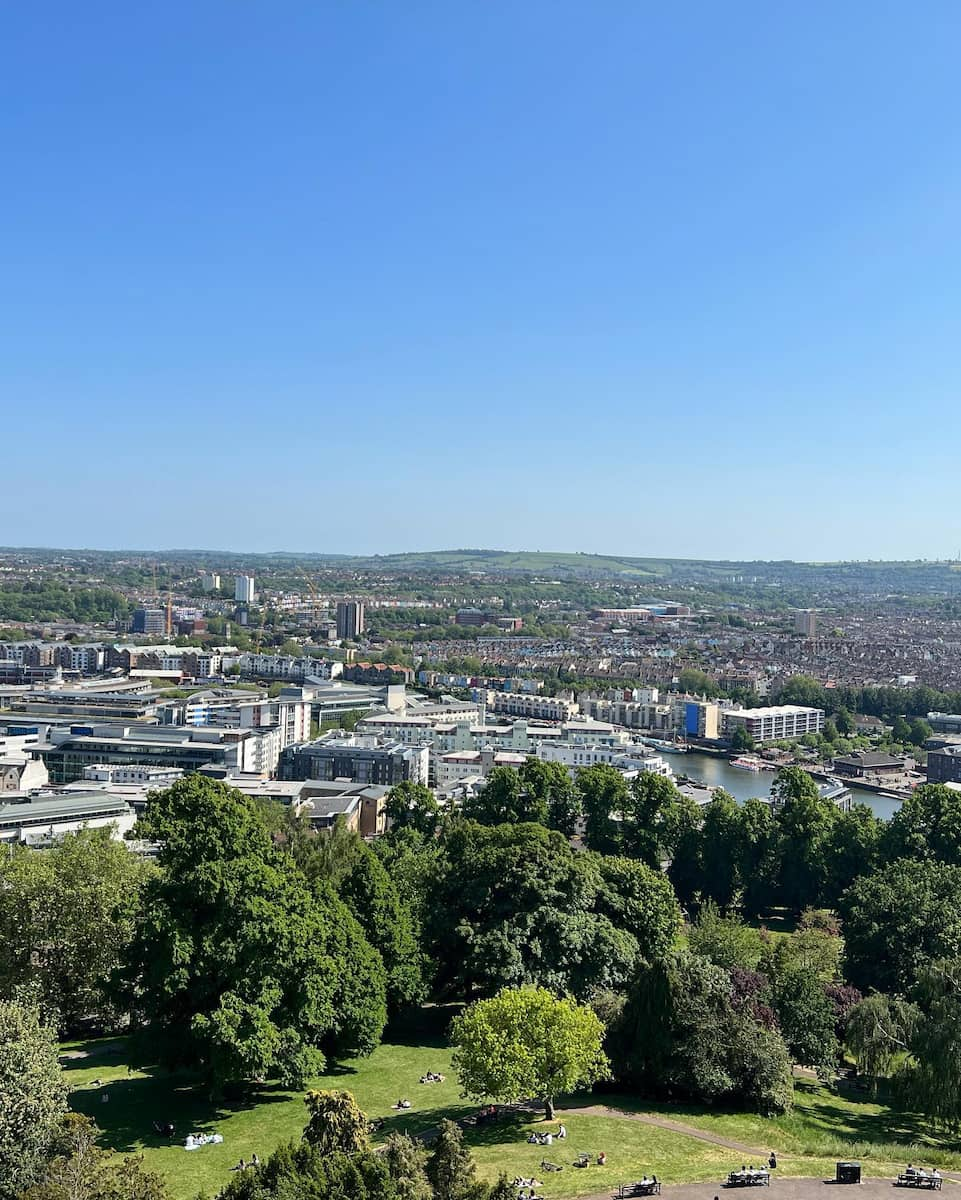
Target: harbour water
{"points": [[718, 772]]}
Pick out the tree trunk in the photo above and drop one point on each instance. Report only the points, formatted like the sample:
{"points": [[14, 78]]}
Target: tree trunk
{"points": [[549, 1109]]}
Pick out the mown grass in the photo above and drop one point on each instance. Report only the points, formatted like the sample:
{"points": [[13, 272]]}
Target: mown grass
{"points": [[821, 1129]]}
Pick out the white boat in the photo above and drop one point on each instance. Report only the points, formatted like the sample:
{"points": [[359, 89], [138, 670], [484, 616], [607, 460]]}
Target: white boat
{"points": [[745, 762]]}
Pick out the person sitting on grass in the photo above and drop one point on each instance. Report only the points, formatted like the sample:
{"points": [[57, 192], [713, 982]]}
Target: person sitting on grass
{"points": [[602, 1159]]}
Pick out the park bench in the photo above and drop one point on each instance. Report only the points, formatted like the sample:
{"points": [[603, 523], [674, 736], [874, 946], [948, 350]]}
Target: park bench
{"points": [[919, 1179]]}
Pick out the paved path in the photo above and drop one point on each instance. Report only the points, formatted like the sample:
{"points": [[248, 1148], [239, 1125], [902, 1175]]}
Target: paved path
{"points": [[600, 1110], [781, 1189]]}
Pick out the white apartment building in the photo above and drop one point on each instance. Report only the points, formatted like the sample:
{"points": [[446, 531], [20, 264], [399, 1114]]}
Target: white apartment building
{"points": [[779, 721], [463, 764], [540, 708], [627, 759], [244, 590]]}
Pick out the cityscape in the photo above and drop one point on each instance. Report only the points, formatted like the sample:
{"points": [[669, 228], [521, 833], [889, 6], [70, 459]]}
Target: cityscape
{"points": [[480, 600]]}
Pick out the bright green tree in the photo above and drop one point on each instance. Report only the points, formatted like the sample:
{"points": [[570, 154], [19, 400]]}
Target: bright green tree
{"points": [[725, 941], [877, 1032], [526, 1042], [33, 1097]]}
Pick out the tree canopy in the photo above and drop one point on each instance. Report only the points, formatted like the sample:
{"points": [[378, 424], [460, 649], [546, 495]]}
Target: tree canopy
{"points": [[236, 965], [526, 1042]]}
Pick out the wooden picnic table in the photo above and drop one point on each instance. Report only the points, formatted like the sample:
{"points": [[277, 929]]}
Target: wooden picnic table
{"points": [[640, 1187], [759, 1178]]}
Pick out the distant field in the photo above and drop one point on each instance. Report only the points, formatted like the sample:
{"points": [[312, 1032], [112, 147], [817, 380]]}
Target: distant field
{"points": [[821, 1129]]}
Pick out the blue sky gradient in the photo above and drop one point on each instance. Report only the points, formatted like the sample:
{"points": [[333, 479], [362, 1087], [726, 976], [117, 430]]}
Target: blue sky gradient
{"points": [[615, 277]]}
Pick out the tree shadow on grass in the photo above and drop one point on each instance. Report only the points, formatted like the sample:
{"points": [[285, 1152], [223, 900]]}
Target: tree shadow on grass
{"points": [[134, 1105]]}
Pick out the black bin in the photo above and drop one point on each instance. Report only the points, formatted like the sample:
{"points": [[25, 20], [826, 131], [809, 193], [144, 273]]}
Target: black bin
{"points": [[848, 1172]]}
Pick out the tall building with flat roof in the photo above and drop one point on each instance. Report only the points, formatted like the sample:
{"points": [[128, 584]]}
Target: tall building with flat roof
{"points": [[806, 622], [244, 591], [350, 619]]}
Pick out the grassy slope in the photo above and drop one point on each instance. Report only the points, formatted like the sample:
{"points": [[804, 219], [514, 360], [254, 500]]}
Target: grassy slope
{"points": [[821, 1129]]}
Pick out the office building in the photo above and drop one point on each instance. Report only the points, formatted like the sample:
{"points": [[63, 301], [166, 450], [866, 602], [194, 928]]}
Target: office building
{"points": [[73, 749], [42, 820], [151, 621], [350, 619], [367, 760], [776, 723], [806, 622], [244, 592]]}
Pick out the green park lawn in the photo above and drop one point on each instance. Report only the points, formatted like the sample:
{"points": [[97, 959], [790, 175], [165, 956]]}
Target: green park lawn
{"points": [[822, 1128]]}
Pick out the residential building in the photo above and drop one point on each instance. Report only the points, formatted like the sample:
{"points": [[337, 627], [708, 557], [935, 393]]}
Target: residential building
{"points": [[463, 764], [697, 718], [541, 708], [149, 621], [22, 774], [776, 723], [945, 722], [365, 672], [350, 619], [367, 760], [944, 765], [806, 623], [210, 582], [244, 589]]}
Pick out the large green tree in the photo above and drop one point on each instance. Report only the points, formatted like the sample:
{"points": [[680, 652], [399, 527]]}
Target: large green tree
{"points": [[603, 797], [898, 919], [514, 904], [33, 1097], [877, 1032], [931, 1078], [66, 918], [525, 1042], [237, 966], [450, 1168], [680, 1031], [413, 806], [551, 785], [927, 826], [805, 823], [721, 833], [505, 799]]}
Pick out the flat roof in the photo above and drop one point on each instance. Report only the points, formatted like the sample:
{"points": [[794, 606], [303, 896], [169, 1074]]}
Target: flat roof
{"points": [[63, 807]]}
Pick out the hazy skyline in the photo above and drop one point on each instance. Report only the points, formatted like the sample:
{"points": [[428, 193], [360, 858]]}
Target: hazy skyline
{"points": [[602, 277]]}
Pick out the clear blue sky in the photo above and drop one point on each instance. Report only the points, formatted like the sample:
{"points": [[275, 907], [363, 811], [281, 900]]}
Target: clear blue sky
{"points": [[615, 276]]}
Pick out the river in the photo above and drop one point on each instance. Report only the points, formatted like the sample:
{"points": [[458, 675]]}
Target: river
{"points": [[718, 772]]}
